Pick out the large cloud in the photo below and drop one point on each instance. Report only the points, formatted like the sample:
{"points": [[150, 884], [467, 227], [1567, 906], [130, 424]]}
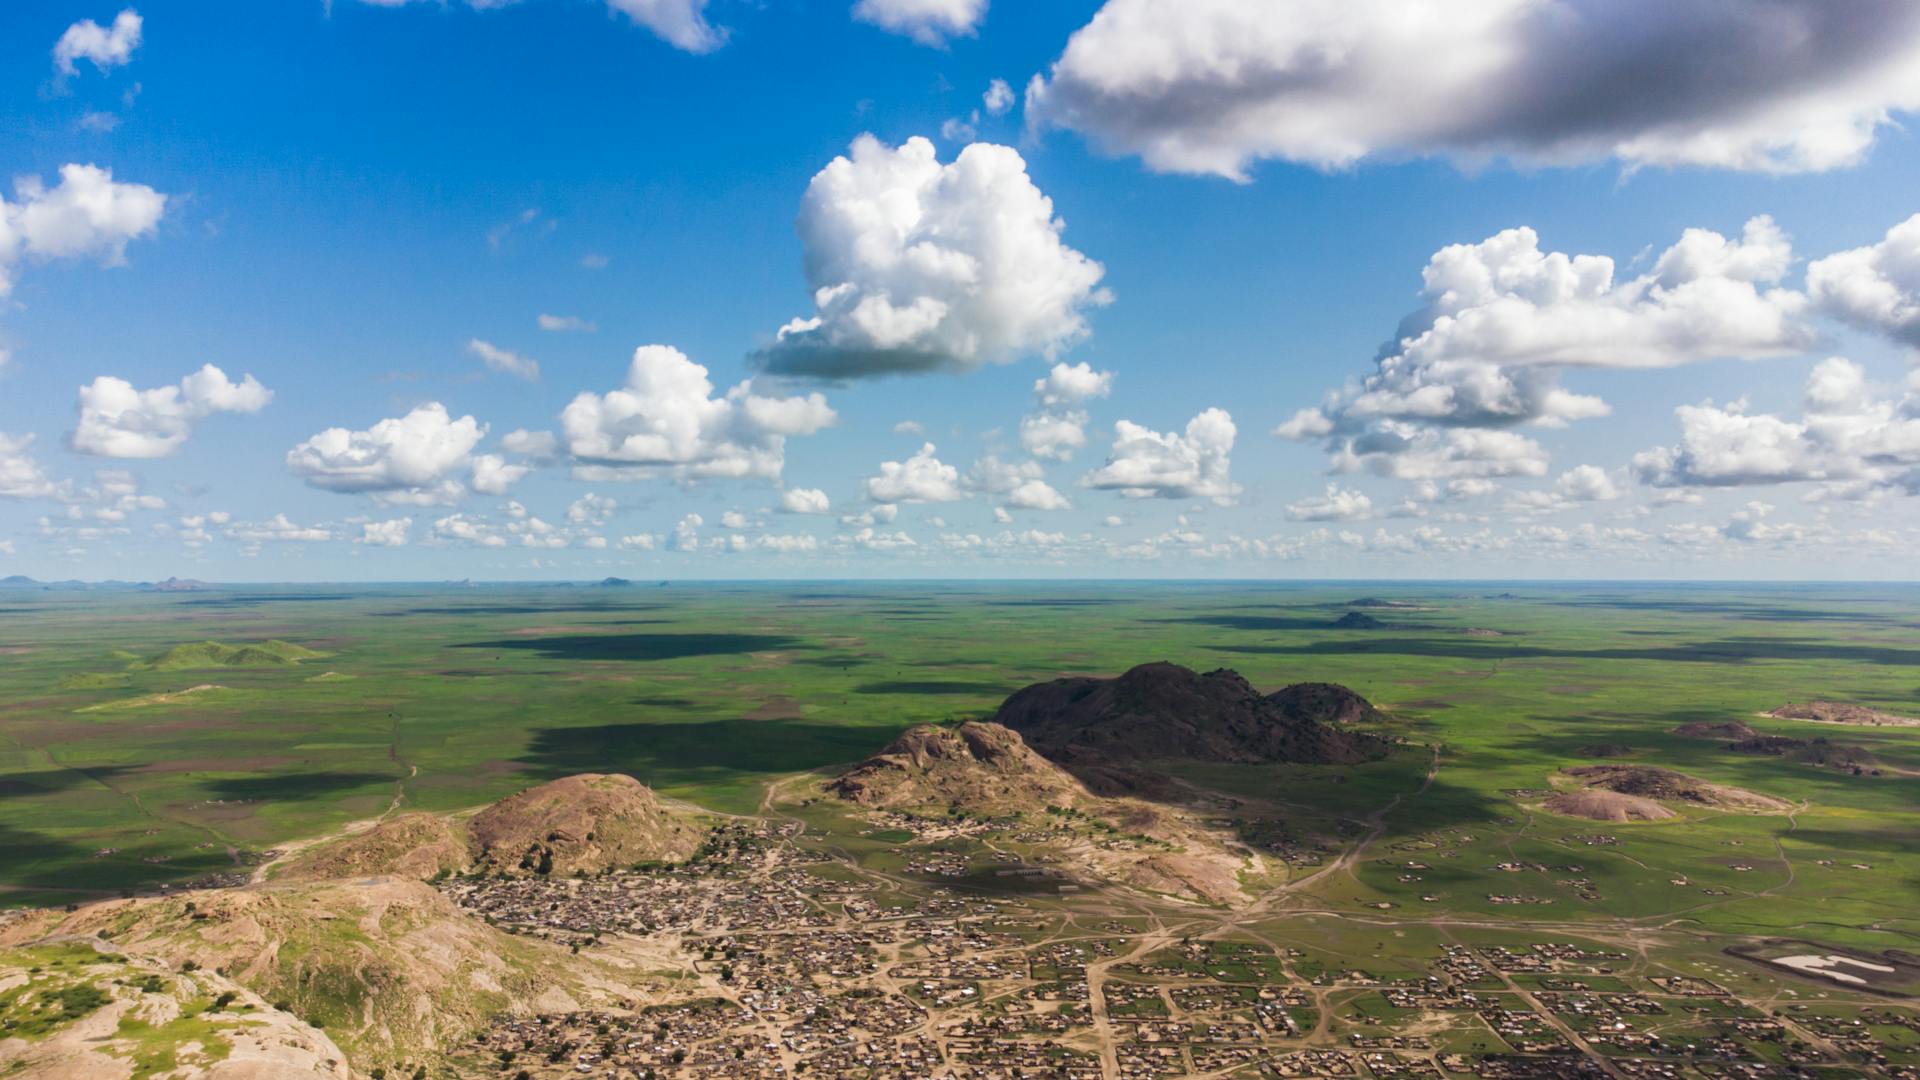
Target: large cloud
{"points": [[929, 22], [1849, 436], [918, 266], [1210, 86], [119, 421], [1149, 464], [666, 419], [87, 213], [1502, 319], [1876, 287], [414, 458]]}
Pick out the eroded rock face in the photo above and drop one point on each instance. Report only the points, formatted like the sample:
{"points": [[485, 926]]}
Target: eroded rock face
{"points": [[982, 767], [579, 823], [1164, 711]]}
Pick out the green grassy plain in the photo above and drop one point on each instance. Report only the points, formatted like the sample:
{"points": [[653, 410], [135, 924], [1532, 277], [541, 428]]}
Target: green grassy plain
{"points": [[445, 698]]}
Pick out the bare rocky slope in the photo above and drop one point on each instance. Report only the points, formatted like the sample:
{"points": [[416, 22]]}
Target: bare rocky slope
{"points": [[588, 822], [981, 767], [346, 938], [987, 770], [144, 1017]]}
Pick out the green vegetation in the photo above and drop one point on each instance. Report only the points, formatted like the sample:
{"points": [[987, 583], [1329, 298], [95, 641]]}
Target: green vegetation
{"points": [[153, 1049], [54, 993], [213, 654], [448, 698]]}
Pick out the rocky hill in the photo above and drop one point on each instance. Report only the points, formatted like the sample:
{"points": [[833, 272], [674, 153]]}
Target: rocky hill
{"points": [[981, 767], [1163, 711], [987, 770], [588, 822], [389, 969], [1667, 786]]}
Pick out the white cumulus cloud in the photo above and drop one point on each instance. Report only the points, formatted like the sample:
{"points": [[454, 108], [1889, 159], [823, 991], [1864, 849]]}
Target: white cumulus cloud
{"points": [[1503, 319], [921, 478], [411, 459], [495, 475], [87, 214], [804, 501], [279, 529], [918, 266], [392, 533], [106, 47], [681, 23], [1021, 485], [1850, 436], [118, 421], [1059, 427], [666, 418], [998, 99], [1211, 86], [1338, 504], [21, 476], [1876, 287], [929, 22], [1151, 464], [1587, 483]]}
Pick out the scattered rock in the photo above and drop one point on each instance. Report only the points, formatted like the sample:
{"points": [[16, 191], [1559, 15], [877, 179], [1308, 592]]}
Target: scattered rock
{"points": [[1607, 806]]}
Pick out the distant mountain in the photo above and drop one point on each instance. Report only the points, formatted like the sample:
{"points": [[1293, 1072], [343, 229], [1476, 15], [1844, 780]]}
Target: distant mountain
{"points": [[175, 584], [172, 584], [1164, 711], [1358, 620], [615, 583]]}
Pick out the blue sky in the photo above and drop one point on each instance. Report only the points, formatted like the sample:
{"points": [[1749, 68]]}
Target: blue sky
{"points": [[355, 193]]}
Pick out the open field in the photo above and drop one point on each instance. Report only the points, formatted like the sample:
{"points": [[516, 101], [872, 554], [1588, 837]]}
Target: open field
{"points": [[134, 753]]}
